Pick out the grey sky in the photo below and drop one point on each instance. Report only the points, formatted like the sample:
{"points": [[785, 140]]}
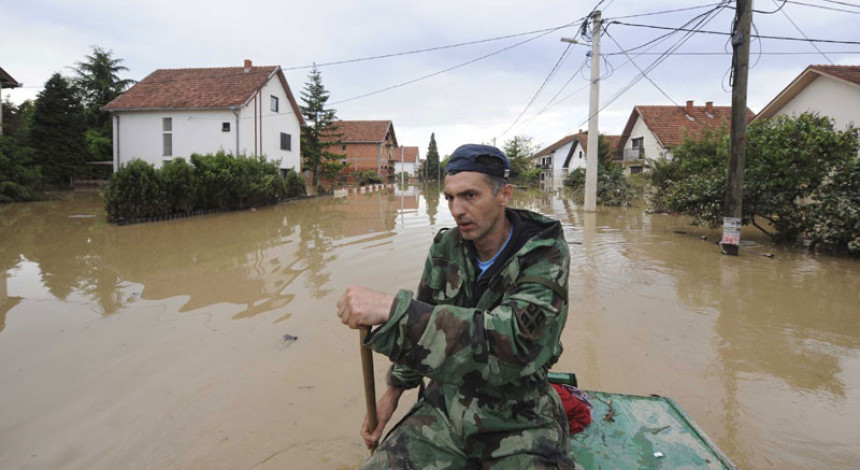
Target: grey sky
{"points": [[475, 103]]}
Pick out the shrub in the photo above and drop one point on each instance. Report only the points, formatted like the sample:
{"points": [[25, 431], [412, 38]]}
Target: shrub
{"points": [[18, 175], [216, 181], [295, 184], [833, 220], [135, 192], [368, 177], [612, 187]]}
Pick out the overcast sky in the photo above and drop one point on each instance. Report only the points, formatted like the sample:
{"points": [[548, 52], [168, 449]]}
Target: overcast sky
{"points": [[477, 102]]}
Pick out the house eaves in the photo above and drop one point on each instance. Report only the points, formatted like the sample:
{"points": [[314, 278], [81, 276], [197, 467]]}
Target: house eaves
{"points": [[809, 75]]}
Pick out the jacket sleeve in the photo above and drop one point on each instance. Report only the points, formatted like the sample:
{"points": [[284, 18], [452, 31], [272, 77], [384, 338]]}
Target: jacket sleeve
{"points": [[468, 346], [402, 375]]}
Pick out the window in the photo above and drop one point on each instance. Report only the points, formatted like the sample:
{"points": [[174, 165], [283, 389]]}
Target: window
{"points": [[168, 144], [286, 141], [580, 154], [225, 127], [635, 169], [637, 143], [275, 104], [344, 147], [167, 137]]}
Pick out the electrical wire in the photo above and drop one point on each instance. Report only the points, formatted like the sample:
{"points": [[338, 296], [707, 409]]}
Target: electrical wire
{"points": [[720, 33], [822, 7], [785, 13], [552, 72], [707, 5]]}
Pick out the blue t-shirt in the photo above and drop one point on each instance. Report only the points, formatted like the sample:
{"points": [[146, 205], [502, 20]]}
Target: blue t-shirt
{"points": [[484, 265]]}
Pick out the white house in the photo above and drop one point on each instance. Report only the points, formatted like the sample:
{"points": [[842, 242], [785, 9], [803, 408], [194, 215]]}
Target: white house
{"points": [[560, 158], [829, 90], [239, 110], [405, 160], [652, 131]]}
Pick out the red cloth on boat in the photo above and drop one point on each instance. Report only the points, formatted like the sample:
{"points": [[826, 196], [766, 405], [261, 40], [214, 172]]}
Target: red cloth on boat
{"points": [[577, 412]]}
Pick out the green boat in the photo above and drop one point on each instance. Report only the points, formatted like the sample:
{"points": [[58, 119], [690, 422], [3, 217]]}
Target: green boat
{"points": [[630, 431]]}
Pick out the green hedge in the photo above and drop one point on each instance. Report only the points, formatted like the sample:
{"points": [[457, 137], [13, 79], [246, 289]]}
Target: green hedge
{"points": [[211, 182]]}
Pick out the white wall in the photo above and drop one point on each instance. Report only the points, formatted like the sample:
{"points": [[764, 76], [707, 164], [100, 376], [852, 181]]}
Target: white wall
{"points": [[828, 97], [139, 134], [652, 147], [273, 124], [556, 176]]}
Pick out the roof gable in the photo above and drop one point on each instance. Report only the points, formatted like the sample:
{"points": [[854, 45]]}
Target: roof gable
{"points": [[203, 88], [581, 137], [409, 154], [849, 74], [6, 80], [670, 124]]}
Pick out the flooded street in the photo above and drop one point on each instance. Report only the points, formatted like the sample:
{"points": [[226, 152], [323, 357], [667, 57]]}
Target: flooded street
{"points": [[213, 342]]}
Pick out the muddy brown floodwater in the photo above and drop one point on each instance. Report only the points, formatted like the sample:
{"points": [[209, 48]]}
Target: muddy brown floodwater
{"points": [[212, 342]]}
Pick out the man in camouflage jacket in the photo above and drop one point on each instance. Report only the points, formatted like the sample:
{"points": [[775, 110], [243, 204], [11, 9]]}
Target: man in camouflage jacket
{"points": [[484, 328]]}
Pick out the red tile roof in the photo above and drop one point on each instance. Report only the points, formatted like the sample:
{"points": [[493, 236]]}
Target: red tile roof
{"points": [[670, 124], [6, 80], [205, 88], [849, 73], [363, 131], [410, 154]]}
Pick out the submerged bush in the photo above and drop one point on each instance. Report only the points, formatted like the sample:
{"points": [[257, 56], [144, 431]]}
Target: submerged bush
{"points": [[295, 184], [833, 220], [212, 182], [612, 186]]}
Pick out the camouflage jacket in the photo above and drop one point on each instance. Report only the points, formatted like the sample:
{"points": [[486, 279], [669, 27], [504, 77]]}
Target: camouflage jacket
{"points": [[495, 337]]}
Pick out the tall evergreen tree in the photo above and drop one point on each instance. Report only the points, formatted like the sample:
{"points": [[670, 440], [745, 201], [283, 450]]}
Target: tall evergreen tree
{"points": [[57, 132], [99, 83], [322, 133], [432, 163], [519, 150]]}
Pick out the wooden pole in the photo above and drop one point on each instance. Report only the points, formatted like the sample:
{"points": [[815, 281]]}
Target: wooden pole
{"points": [[733, 211], [369, 382]]}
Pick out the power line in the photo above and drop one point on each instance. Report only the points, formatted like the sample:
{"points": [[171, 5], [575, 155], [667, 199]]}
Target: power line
{"points": [[720, 33], [785, 13], [730, 53], [551, 102], [707, 5], [823, 7], [552, 72], [842, 3], [439, 72], [428, 49]]}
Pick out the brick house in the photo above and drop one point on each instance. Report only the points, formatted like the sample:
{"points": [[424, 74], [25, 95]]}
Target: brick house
{"points": [[367, 145], [652, 131], [239, 110]]}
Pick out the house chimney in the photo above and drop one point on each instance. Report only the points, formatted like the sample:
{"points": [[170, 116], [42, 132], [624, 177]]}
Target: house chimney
{"points": [[247, 65], [690, 108], [709, 108]]}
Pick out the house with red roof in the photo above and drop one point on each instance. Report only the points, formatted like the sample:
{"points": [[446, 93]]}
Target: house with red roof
{"points": [[367, 145], [557, 160], [239, 110], [829, 90], [652, 131], [406, 161]]}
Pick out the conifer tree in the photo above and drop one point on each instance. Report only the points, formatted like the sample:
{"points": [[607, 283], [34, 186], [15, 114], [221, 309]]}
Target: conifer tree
{"points": [[321, 133], [432, 164], [57, 133]]}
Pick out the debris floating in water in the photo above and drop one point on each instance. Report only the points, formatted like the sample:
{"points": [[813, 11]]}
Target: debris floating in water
{"points": [[658, 455], [290, 338]]}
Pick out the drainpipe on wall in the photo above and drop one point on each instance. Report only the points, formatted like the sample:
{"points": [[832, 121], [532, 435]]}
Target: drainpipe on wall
{"points": [[378, 155], [116, 165], [236, 113]]}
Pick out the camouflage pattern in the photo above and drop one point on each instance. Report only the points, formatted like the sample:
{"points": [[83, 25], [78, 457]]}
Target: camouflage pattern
{"points": [[488, 404]]}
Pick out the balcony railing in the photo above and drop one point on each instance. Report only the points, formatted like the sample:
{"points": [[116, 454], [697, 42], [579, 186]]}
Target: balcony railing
{"points": [[634, 154]]}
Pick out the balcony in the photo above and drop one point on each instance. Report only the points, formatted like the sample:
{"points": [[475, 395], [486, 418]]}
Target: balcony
{"points": [[634, 154]]}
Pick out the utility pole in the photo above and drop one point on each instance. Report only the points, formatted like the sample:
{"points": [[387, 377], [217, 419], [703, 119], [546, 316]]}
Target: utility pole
{"points": [[593, 104], [733, 210]]}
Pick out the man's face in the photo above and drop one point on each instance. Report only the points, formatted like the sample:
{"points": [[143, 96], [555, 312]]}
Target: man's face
{"points": [[475, 208]]}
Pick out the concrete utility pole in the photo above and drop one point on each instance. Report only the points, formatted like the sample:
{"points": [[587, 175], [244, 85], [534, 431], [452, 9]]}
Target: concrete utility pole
{"points": [[733, 210], [593, 104]]}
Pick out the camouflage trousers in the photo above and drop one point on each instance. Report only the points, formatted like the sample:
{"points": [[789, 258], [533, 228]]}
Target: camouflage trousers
{"points": [[428, 438]]}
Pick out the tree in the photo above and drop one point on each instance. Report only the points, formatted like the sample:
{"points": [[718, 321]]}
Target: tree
{"points": [[519, 150], [789, 162], [431, 163], [323, 133], [57, 132], [98, 83]]}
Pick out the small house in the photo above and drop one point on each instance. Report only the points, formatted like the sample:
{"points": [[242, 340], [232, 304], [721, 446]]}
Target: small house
{"points": [[367, 145], [173, 113]]}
